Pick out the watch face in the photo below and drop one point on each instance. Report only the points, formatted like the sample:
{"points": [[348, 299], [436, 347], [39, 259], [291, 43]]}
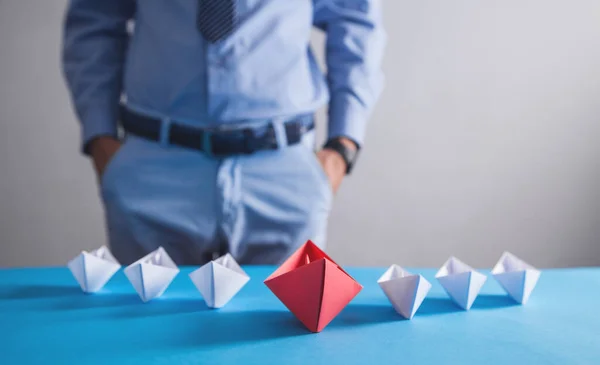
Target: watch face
{"points": [[352, 161]]}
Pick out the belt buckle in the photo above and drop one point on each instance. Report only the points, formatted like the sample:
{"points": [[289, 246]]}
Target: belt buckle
{"points": [[294, 130], [207, 145]]}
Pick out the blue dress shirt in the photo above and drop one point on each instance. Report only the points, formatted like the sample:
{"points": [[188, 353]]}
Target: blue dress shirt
{"points": [[264, 69]]}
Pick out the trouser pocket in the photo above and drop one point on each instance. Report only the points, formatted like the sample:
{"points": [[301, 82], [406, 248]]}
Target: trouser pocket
{"points": [[308, 150], [112, 166]]}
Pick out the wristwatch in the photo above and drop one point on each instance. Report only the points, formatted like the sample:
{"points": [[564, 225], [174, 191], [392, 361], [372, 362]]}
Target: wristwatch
{"points": [[348, 154]]}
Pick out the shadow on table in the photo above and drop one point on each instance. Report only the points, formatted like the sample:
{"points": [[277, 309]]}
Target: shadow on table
{"points": [[217, 327], [437, 306], [38, 292], [58, 297], [490, 301], [220, 328], [125, 305], [162, 306], [363, 314]]}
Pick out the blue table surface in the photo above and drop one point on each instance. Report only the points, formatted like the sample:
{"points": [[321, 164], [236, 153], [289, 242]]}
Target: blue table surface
{"points": [[46, 319]]}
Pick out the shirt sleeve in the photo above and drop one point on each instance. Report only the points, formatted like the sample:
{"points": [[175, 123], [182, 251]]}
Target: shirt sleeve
{"points": [[354, 52], [94, 45]]}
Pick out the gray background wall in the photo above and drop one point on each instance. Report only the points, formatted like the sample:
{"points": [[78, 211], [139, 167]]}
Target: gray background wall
{"points": [[486, 139]]}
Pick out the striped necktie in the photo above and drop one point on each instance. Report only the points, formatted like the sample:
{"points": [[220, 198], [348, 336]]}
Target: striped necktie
{"points": [[216, 18]]}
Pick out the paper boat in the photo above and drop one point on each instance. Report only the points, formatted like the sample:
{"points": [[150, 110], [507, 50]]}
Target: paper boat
{"points": [[461, 282], [516, 276], [92, 270], [312, 286], [152, 274], [218, 281], [405, 291]]}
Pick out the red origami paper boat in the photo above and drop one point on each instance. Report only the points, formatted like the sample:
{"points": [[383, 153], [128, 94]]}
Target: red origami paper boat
{"points": [[312, 286]]}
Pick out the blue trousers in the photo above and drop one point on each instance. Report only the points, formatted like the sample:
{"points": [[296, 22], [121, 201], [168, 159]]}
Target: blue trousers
{"points": [[258, 207]]}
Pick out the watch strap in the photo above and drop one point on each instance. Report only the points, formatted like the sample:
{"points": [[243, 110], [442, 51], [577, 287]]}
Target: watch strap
{"points": [[348, 154]]}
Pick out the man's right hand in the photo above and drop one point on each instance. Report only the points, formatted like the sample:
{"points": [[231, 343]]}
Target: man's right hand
{"points": [[102, 149]]}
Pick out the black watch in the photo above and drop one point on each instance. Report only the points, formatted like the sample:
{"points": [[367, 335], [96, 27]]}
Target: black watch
{"points": [[348, 154]]}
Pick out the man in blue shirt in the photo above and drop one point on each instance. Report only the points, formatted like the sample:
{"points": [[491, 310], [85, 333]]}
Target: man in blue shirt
{"points": [[216, 101]]}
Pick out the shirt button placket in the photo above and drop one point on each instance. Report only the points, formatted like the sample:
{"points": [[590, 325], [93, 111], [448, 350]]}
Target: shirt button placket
{"points": [[216, 77]]}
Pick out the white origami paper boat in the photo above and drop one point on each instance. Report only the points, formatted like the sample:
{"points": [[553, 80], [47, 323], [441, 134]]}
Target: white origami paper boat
{"points": [[516, 276], [405, 291], [219, 280], [461, 282], [92, 270], [152, 274]]}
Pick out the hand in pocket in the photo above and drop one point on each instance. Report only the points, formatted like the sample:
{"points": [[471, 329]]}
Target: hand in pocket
{"points": [[102, 150], [334, 166]]}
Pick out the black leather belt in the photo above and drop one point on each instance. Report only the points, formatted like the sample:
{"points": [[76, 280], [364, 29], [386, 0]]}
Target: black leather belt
{"points": [[216, 143]]}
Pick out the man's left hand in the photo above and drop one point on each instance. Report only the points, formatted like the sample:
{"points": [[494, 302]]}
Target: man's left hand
{"points": [[334, 165]]}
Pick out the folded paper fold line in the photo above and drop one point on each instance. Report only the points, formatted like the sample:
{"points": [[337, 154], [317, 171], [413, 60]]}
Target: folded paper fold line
{"points": [[219, 280], [460, 281], [312, 286], [93, 269], [151, 275], [406, 291], [516, 277]]}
